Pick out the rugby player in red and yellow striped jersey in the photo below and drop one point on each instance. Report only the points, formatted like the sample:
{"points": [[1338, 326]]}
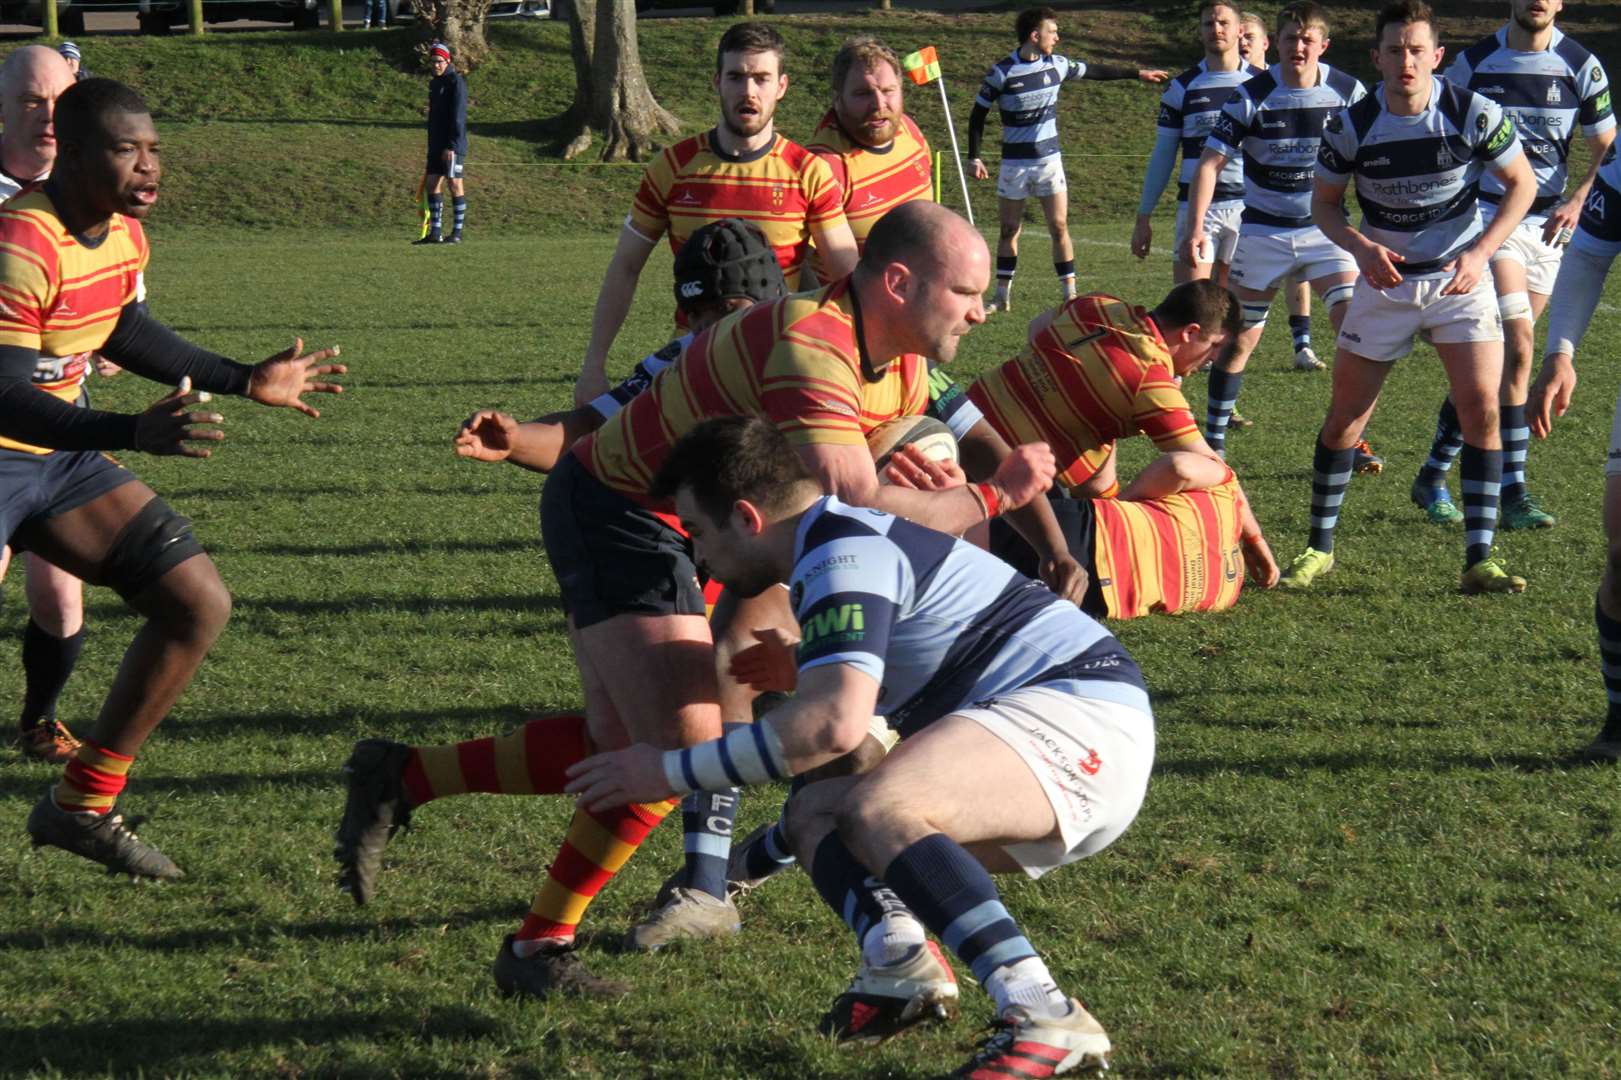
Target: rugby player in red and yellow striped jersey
{"points": [[71, 256], [741, 168], [878, 156], [1098, 369]]}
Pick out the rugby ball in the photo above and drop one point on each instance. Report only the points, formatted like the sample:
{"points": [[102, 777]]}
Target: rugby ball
{"points": [[924, 432]]}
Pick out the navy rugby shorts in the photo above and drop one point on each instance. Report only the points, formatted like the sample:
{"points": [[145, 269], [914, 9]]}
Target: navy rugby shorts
{"points": [[34, 487]]}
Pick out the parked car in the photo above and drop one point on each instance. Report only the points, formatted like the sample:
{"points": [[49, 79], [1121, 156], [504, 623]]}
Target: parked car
{"points": [[160, 16], [721, 7], [69, 16], [402, 11]]}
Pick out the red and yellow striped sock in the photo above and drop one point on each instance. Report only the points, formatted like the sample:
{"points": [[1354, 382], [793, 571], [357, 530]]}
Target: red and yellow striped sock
{"points": [[596, 847], [92, 780], [526, 761]]}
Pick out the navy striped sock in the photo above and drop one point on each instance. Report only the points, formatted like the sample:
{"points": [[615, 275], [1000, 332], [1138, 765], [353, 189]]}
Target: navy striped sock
{"points": [[458, 208], [1220, 405], [954, 897], [436, 213], [767, 855], [1448, 440], [1609, 653], [706, 826], [1005, 266], [854, 895], [1330, 475], [1516, 443], [1300, 330], [1482, 474], [1065, 269]]}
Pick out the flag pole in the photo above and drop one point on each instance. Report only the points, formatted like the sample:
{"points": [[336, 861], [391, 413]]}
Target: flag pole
{"points": [[956, 154]]}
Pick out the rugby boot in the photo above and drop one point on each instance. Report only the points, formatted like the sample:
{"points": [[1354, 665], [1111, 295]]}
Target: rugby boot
{"points": [[1365, 460], [1526, 513], [102, 838], [431, 238], [47, 740], [1606, 745], [373, 811], [882, 1002], [1437, 505], [1022, 1045], [453, 238], [550, 971], [1001, 302], [1239, 422], [1488, 576], [1308, 566], [738, 883], [1306, 360], [688, 914]]}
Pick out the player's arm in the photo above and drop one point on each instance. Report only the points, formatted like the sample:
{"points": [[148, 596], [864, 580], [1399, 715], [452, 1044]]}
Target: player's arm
{"points": [[837, 244], [1109, 72], [1569, 211], [1200, 192], [826, 719], [30, 415], [1376, 262], [983, 451], [613, 304], [537, 445], [1576, 295], [976, 134], [1519, 191], [1161, 163]]}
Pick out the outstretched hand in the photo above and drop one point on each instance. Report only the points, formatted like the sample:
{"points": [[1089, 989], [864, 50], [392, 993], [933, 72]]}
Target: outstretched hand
{"points": [[487, 435], [168, 427], [283, 379]]}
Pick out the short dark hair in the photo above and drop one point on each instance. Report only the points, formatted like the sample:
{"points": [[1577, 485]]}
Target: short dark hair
{"points": [[1305, 14], [1206, 5], [1030, 20], [749, 37], [1204, 302], [82, 107], [731, 458], [1401, 13], [868, 52]]}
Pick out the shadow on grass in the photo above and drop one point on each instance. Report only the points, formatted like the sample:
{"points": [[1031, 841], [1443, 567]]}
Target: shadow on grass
{"points": [[245, 608], [1291, 767], [398, 547], [207, 784], [396, 724], [165, 1045]]}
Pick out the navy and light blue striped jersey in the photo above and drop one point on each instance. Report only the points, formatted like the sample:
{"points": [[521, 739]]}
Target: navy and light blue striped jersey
{"points": [[1027, 94], [1189, 108], [1599, 232], [1276, 130], [948, 402], [1547, 94], [939, 623], [1416, 176]]}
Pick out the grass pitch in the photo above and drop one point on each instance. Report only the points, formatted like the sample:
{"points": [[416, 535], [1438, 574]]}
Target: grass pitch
{"points": [[1364, 852]]}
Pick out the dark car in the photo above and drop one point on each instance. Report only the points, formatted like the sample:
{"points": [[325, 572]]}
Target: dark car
{"points": [[160, 16], [69, 16]]}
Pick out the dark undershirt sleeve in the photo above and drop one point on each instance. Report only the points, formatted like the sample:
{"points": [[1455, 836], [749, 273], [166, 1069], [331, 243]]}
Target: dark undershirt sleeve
{"points": [[30, 415], [147, 347], [1103, 72], [976, 129]]}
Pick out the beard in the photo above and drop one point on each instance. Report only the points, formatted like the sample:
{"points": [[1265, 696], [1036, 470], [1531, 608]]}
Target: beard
{"points": [[747, 126], [1528, 22]]}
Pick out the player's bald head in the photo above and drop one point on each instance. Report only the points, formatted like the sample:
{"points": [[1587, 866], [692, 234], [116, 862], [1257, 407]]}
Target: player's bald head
{"points": [[31, 63], [923, 236]]}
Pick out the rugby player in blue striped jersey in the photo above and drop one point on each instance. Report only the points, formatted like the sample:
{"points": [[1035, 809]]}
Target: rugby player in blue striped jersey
{"points": [[1549, 85], [1273, 124], [1025, 85], [1416, 148], [1187, 111], [1026, 740]]}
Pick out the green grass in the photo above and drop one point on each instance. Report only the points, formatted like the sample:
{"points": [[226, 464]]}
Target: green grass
{"points": [[1363, 853]]}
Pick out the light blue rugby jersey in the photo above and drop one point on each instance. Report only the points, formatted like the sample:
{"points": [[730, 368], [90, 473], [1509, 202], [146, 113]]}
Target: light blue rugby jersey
{"points": [[1416, 176], [1275, 131], [940, 624], [1547, 95], [1599, 232], [1189, 107], [1026, 93]]}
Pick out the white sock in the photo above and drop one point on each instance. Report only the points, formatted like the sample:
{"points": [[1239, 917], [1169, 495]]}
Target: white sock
{"points": [[890, 939], [1028, 983]]}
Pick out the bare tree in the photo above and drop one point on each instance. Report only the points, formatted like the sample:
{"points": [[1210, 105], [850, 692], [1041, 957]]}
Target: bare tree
{"points": [[611, 97], [457, 23]]}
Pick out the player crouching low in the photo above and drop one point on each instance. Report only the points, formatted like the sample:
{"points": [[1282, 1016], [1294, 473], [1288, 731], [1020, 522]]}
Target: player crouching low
{"points": [[1027, 740]]}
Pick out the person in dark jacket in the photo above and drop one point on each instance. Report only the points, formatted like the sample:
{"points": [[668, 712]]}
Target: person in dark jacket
{"points": [[447, 146]]}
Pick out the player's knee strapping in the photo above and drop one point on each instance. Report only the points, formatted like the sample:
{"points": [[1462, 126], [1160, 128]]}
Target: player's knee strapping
{"points": [[153, 542], [1338, 294], [1254, 313], [1514, 305]]}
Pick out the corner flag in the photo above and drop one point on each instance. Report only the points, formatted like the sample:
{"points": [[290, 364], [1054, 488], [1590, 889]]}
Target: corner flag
{"points": [[923, 66]]}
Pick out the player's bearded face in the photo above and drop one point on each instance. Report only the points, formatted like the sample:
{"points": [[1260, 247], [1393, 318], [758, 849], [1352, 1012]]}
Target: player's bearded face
{"points": [[750, 85], [1536, 15], [120, 165], [869, 106]]}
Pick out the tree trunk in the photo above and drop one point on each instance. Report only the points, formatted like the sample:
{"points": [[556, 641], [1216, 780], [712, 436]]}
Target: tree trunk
{"points": [[457, 23], [611, 97]]}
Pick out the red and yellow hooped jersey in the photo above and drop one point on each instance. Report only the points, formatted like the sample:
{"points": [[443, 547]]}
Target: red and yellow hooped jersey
{"points": [[873, 182], [1179, 553]]}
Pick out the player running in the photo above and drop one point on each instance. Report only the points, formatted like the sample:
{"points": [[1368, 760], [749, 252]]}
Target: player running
{"points": [[1187, 111], [74, 245], [739, 168], [1025, 86], [1416, 148], [1026, 740], [877, 153], [1576, 292], [1273, 125], [1548, 84]]}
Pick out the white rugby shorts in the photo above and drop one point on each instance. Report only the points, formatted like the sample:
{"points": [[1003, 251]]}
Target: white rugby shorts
{"points": [[1380, 323], [1092, 758], [1031, 179], [1541, 261], [1220, 228], [1264, 260]]}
